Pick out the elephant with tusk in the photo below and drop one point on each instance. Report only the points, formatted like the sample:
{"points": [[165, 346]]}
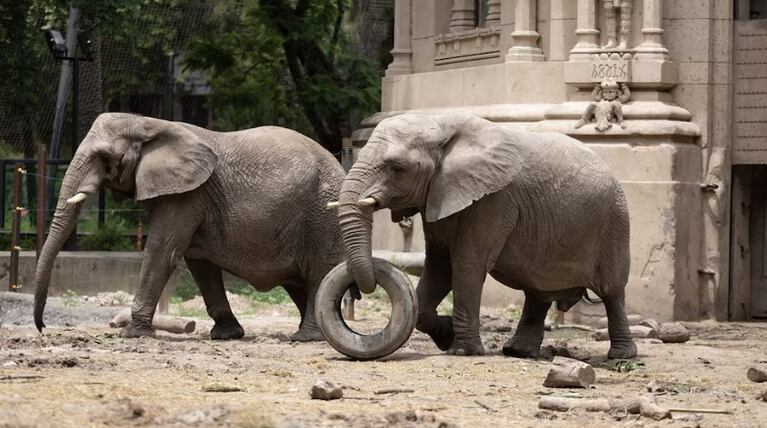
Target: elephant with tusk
{"points": [[540, 212], [251, 203]]}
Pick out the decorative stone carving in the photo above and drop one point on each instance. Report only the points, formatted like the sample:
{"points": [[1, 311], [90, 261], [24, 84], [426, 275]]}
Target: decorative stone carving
{"points": [[617, 30], [472, 45], [610, 96]]}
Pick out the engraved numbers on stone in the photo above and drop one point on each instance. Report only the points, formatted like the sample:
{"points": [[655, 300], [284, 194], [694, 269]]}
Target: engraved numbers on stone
{"points": [[617, 70]]}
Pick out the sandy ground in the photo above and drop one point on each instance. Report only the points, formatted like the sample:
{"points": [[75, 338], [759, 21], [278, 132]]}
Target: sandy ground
{"points": [[88, 376]]}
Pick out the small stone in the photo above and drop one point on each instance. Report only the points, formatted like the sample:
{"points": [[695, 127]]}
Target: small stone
{"points": [[497, 325], [673, 332], [762, 396], [757, 375], [10, 364], [324, 390]]}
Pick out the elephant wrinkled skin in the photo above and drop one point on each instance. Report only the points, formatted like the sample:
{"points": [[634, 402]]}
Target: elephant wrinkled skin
{"points": [[540, 212], [251, 203]]}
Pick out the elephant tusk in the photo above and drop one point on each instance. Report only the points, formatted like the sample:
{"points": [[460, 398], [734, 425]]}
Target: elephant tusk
{"points": [[367, 202], [76, 199], [332, 205]]}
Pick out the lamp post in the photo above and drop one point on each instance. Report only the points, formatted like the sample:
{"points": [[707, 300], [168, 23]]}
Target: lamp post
{"points": [[58, 47]]}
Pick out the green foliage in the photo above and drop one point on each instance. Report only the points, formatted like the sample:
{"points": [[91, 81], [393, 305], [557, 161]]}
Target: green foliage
{"points": [[69, 298], [275, 296], [109, 237], [288, 63]]}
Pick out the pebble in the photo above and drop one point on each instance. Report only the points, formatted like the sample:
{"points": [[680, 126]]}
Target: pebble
{"points": [[673, 332], [324, 390]]}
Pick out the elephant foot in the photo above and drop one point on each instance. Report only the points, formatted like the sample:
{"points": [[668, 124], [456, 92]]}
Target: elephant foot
{"points": [[131, 331], [442, 332], [307, 334], [624, 350], [466, 348], [521, 348], [228, 331]]}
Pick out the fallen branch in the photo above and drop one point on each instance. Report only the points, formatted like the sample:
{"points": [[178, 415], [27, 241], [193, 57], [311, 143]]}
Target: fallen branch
{"points": [[20, 377], [643, 405], [160, 322], [393, 391], [485, 406], [714, 411]]}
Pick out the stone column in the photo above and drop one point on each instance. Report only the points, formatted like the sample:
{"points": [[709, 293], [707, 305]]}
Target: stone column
{"points": [[524, 45], [462, 15], [493, 13], [652, 32], [586, 33], [402, 53]]}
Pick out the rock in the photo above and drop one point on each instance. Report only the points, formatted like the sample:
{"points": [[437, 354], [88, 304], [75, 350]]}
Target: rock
{"points": [[206, 417], [324, 390], [498, 325], [762, 396], [673, 332], [637, 331], [758, 375], [10, 364], [569, 373], [650, 322]]}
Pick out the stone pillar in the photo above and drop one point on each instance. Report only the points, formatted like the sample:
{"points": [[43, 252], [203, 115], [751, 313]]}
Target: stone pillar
{"points": [[524, 46], [586, 33], [652, 47], [462, 15], [402, 53], [493, 13]]}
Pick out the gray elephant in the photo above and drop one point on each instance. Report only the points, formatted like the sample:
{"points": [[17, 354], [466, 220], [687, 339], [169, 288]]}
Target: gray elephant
{"points": [[251, 203], [540, 212]]}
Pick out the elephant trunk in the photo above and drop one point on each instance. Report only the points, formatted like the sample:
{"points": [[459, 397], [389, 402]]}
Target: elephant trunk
{"points": [[83, 175], [356, 224]]}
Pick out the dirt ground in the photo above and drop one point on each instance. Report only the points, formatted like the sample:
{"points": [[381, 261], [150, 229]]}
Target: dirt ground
{"points": [[85, 375]]}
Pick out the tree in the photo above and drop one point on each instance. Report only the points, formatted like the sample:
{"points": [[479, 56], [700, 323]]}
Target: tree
{"points": [[250, 51]]}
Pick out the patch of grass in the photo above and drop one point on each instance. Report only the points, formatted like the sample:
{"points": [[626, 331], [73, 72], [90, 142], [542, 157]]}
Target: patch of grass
{"points": [[275, 296], [69, 298], [191, 312]]}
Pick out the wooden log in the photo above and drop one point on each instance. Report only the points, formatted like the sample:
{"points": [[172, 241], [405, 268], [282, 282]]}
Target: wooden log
{"points": [[650, 409], [758, 375], [569, 373], [633, 319], [160, 322], [637, 332], [564, 404], [645, 406], [673, 332]]}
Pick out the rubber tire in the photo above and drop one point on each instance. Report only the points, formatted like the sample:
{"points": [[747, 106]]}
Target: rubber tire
{"points": [[404, 305]]}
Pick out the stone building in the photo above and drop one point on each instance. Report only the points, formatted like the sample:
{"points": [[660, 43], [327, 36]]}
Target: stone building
{"points": [[690, 154]]}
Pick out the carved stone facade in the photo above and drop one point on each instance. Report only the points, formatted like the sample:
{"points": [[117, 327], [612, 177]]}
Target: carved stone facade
{"points": [[533, 64]]}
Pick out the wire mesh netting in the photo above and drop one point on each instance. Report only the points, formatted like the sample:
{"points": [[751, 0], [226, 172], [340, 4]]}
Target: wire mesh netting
{"points": [[133, 66]]}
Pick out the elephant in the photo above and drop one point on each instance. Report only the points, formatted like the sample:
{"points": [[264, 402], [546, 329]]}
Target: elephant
{"points": [[250, 202], [539, 212]]}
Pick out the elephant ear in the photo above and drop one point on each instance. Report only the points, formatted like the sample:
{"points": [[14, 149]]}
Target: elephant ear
{"points": [[475, 163], [173, 160]]}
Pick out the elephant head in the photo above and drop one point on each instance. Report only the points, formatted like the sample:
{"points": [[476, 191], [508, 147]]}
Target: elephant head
{"points": [[132, 155], [436, 165]]}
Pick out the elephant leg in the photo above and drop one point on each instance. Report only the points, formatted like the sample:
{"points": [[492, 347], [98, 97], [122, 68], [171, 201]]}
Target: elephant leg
{"points": [[303, 297], [173, 229], [526, 342], [622, 346], [468, 278], [433, 287], [211, 283]]}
